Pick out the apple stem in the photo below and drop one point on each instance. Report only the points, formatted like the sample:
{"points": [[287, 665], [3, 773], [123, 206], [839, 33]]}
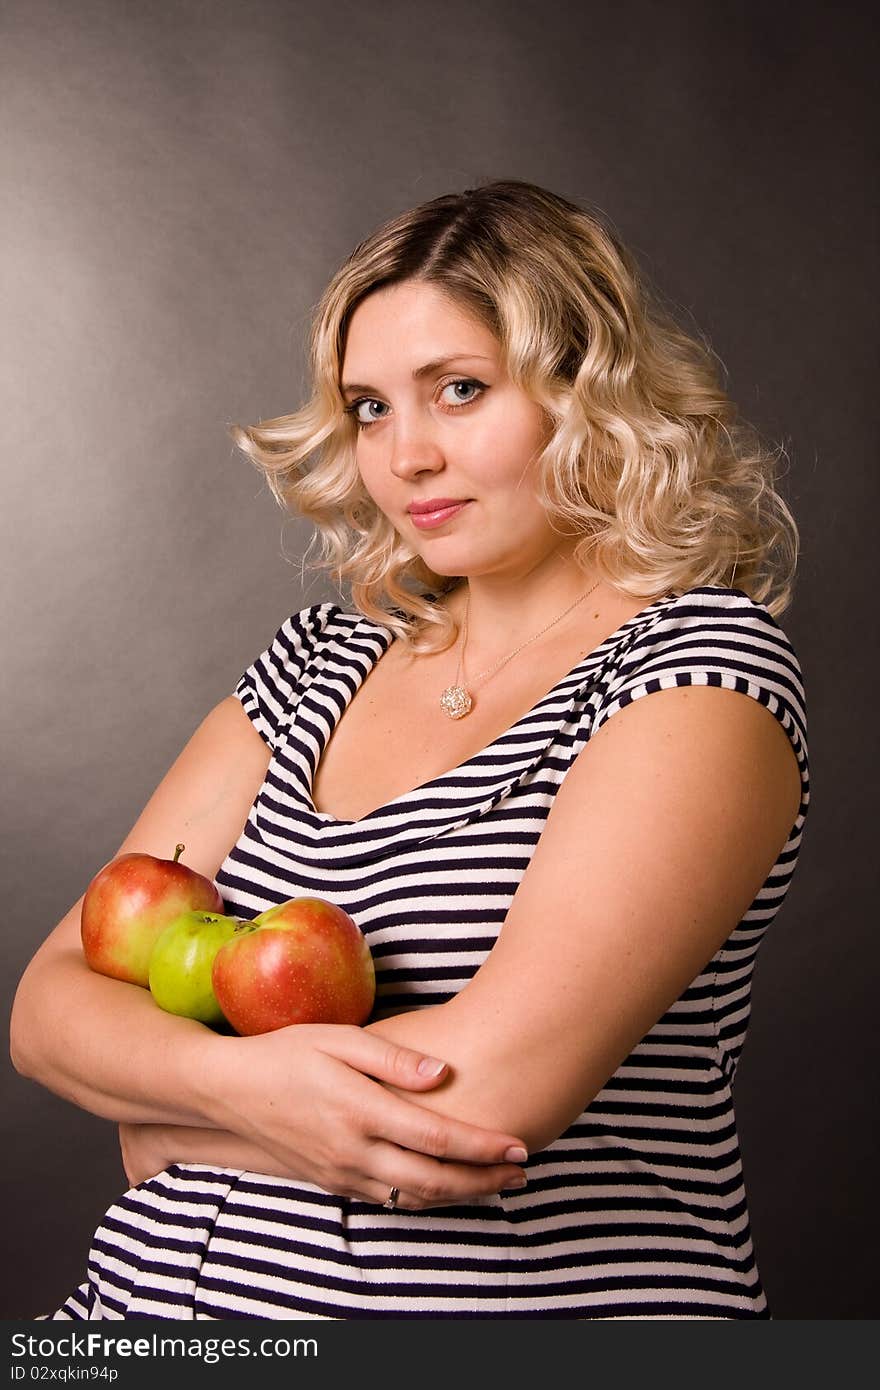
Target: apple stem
{"points": [[178, 852]]}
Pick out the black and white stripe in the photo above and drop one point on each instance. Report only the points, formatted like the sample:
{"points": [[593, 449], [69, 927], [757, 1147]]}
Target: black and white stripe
{"points": [[638, 1210]]}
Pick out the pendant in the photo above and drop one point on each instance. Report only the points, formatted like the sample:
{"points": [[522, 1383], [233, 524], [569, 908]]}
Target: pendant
{"points": [[456, 702]]}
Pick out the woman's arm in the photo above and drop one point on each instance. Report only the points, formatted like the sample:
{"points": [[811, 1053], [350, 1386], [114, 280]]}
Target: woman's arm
{"points": [[104, 1044], [662, 833], [304, 1094]]}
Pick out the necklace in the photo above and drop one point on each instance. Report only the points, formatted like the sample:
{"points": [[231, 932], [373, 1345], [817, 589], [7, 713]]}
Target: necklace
{"points": [[456, 700]]}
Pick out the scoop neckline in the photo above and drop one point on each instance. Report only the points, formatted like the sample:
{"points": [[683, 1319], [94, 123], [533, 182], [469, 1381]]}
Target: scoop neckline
{"points": [[591, 658]]}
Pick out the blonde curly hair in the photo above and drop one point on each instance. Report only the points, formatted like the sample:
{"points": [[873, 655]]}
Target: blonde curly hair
{"points": [[647, 461]]}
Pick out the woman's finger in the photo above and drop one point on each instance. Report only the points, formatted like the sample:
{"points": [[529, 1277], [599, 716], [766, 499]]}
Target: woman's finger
{"points": [[413, 1126], [424, 1182], [410, 1125], [377, 1057]]}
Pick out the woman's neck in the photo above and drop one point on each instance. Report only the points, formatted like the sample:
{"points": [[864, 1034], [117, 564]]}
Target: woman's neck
{"points": [[503, 612]]}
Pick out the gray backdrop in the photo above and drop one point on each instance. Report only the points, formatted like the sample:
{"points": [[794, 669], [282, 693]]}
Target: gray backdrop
{"points": [[181, 180]]}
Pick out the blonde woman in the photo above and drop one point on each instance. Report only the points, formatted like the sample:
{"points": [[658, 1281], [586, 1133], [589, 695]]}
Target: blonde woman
{"points": [[546, 511]]}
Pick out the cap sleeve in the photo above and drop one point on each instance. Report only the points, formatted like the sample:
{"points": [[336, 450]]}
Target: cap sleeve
{"points": [[717, 637], [269, 688]]}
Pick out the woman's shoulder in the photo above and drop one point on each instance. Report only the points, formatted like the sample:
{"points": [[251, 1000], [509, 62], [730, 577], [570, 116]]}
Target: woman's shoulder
{"points": [[711, 611], [303, 633], [270, 686], [715, 624], [712, 636]]}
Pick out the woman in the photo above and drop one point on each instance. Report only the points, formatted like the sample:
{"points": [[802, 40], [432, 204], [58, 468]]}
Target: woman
{"points": [[541, 498]]}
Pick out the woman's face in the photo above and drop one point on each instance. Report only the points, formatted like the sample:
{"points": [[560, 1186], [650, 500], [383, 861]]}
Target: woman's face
{"points": [[440, 421]]}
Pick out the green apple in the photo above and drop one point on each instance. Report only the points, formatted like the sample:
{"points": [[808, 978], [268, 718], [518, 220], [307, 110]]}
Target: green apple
{"points": [[181, 964]]}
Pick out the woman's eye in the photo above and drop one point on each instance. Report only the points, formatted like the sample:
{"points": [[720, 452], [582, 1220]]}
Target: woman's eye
{"points": [[358, 406], [468, 386], [363, 409]]}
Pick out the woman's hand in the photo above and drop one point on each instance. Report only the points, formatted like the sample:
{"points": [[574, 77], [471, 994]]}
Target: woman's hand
{"points": [[143, 1152], [147, 1149], [311, 1097]]}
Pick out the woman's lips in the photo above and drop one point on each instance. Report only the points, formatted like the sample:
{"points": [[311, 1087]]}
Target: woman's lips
{"points": [[426, 520]]}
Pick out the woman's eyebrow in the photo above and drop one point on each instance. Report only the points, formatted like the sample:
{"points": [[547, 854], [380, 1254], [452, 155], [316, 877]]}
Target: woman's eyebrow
{"points": [[435, 365]]}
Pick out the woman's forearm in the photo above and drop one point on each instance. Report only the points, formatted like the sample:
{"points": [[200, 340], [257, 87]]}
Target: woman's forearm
{"points": [[306, 1101], [107, 1046], [485, 1083], [498, 1076]]}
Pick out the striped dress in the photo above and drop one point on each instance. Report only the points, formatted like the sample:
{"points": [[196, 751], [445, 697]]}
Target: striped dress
{"points": [[638, 1210]]}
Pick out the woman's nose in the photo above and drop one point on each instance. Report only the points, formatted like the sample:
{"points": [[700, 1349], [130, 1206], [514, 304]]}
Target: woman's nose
{"points": [[414, 451]]}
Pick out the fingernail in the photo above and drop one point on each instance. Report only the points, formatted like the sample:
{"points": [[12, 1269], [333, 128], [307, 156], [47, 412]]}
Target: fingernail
{"points": [[516, 1154], [430, 1066], [515, 1182]]}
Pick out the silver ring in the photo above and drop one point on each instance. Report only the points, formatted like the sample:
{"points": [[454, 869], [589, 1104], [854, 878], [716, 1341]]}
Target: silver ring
{"points": [[391, 1199]]}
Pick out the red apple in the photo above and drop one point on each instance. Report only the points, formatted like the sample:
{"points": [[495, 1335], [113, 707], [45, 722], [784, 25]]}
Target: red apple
{"points": [[304, 961], [128, 905]]}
